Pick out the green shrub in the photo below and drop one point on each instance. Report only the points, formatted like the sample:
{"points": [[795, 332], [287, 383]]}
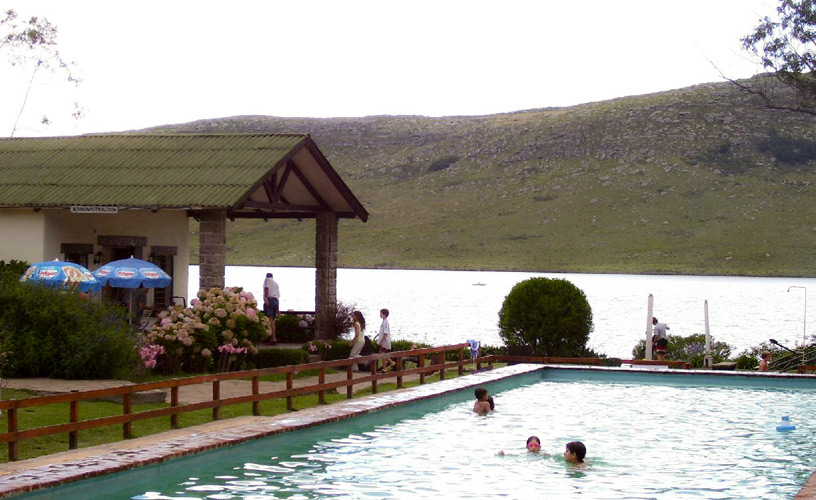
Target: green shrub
{"points": [[58, 334], [270, 358], [343, 322], [552, 316], [10, 272], [288, 329], [690, 349]]}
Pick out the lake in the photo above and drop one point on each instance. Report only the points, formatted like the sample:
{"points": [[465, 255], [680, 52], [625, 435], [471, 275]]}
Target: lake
{"points": [[443, 307]]}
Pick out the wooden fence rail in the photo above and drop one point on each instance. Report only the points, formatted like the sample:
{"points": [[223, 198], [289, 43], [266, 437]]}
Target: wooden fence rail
{"points": [[14, 435]]}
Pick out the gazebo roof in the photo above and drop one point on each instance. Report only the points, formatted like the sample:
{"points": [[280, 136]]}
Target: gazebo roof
{"points": [[248, 175]]}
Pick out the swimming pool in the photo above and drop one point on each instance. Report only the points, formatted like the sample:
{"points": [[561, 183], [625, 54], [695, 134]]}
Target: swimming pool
{"points": [[688, 436]]}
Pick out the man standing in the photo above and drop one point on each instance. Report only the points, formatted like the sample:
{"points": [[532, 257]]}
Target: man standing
{"points": [[271, 295], [659, 339]]}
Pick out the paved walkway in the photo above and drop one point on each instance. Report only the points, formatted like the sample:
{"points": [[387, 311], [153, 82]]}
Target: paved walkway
{"points": [[187, 394]]}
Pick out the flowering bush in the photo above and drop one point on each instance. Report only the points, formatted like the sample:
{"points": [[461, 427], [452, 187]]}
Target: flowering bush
{"points": [[216, 318], [230, 357]]}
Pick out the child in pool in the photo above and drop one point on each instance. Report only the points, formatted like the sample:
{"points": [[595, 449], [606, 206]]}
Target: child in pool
{"points": [[764, 365], [533, 445], [575, 453], [482, 405]]}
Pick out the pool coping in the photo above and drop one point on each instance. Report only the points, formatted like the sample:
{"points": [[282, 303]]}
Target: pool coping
{"points": [[33, 474]]}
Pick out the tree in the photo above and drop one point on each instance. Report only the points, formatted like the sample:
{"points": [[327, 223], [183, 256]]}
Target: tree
{"points": [[32, 46], [785, 47], [552, 316]]}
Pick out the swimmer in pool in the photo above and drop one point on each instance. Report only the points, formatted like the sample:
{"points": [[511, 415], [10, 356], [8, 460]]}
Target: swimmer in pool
{"points": [[533, 445], [575, 453], [482, 405]]}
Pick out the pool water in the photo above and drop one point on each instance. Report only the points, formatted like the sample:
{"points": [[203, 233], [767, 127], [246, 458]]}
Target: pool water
{"points": [[643, 441]]}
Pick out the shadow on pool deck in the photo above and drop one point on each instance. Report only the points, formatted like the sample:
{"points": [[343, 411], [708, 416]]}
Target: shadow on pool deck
{"points": [[52, 470]]}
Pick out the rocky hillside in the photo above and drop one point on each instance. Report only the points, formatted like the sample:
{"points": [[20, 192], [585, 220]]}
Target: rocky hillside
{"points": [[699, 180]]}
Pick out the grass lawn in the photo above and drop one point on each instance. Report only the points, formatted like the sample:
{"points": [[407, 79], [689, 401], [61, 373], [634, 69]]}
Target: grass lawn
{"points": [[42, 416]]}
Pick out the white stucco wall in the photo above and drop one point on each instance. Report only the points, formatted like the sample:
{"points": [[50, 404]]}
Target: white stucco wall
{"points": [[22, 236], [37, 236]]}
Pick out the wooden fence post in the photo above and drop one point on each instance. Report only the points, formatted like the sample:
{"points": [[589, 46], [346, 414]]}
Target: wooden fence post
{"points": [[73, 436], [127, 427], [256, 389], [216, 395], [174, 400]]}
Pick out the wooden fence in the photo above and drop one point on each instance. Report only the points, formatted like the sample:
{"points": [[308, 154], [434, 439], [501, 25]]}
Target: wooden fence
{"points": [[424, 367]]}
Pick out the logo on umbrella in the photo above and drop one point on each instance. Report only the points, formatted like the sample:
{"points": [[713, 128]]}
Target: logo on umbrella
{"points": [[48, 272], [150, 274], [125, 273]]}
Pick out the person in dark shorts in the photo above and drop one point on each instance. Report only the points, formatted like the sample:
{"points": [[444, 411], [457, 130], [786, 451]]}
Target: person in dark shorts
{"points": [[659, 339]]}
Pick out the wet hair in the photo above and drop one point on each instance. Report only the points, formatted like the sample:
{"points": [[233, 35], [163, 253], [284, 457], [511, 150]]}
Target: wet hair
{"points": [[384, 311], [578, 448], [480, 392], [533, 438], [359, 317], [268, 275], [654, 320]]}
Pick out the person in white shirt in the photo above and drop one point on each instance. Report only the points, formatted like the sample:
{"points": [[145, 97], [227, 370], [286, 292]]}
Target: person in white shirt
{"points": [[271, 297], [383, 339]]}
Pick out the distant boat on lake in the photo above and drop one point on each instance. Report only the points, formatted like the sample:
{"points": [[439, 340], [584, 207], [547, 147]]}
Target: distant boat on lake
{"points": [[479, 284]]}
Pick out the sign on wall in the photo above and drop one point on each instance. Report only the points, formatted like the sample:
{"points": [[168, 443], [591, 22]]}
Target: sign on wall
{"points": [[90, 209]]}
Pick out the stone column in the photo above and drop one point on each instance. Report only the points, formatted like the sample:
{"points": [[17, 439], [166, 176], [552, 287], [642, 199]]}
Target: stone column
{"points": [[325, 274], [212, 242]]}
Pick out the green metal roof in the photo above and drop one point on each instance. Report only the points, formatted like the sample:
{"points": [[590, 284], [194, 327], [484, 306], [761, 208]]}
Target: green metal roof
{"points": [[166, 171]]}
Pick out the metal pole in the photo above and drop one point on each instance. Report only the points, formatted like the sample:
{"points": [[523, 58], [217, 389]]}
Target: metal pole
{"points": [[649, 328], [709, 360], [804, 324]]}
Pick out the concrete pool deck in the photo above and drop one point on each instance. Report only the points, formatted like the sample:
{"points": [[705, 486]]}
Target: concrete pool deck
{"points": [[65, 467]]}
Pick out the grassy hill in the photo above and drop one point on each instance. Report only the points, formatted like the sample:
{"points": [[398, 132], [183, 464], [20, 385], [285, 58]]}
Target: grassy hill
{"points": [[700, 180]]}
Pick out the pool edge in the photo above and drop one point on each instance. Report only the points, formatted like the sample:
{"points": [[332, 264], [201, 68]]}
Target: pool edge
{"points": [[33, 474]]}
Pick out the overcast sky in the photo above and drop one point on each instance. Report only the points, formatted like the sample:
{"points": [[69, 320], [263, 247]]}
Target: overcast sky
{"points": [[151, 63]]}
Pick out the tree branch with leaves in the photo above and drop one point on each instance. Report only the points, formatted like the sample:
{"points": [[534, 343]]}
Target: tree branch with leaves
{"points": [[784, 46], [32, 46]]}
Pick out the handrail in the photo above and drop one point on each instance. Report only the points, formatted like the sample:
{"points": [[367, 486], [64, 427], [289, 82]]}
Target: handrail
{"points": [[14, 435]]}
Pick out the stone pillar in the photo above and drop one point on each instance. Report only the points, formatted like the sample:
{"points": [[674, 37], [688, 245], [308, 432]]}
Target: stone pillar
{"points": [[325, 274], [212, 243]]}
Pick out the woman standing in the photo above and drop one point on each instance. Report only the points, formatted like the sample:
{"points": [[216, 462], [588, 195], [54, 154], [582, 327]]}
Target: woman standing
{"points": [[358, 341]]}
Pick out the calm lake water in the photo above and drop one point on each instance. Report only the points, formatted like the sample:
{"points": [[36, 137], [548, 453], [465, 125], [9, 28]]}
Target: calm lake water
{"points": [[440, 307]]}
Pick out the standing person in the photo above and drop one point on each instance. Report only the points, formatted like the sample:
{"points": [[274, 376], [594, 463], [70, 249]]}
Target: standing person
{"points": [[764, 365], [271, 296], [383, 339], [358, 341], [660, 339]]}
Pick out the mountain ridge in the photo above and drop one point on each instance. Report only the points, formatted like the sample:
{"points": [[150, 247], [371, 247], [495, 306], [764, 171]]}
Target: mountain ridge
{"points": [[699, 180]]}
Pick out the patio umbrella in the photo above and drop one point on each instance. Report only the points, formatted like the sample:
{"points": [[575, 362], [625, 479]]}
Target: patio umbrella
{"points": [[132, 273], [58, 274]]}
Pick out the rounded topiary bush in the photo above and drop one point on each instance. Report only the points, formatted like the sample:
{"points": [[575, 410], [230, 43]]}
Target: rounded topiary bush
{"points": [[552, 316]]}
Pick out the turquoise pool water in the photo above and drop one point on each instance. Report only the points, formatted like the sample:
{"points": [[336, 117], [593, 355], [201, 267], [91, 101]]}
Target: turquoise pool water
{"points": [[648, 436]]}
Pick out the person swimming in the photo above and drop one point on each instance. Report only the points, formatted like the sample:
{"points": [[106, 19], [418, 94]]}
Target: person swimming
{"points": [[575, 453]]}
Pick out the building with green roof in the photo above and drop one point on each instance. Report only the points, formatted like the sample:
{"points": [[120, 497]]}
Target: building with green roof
{"points": [[97, 198]]}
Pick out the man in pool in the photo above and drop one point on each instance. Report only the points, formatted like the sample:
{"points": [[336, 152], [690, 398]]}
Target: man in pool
{"points": [[575, 453], [482, 405]]}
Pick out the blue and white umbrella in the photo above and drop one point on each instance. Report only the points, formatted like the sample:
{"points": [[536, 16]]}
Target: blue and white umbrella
{"points": [[132, 273], [58, 274]]}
